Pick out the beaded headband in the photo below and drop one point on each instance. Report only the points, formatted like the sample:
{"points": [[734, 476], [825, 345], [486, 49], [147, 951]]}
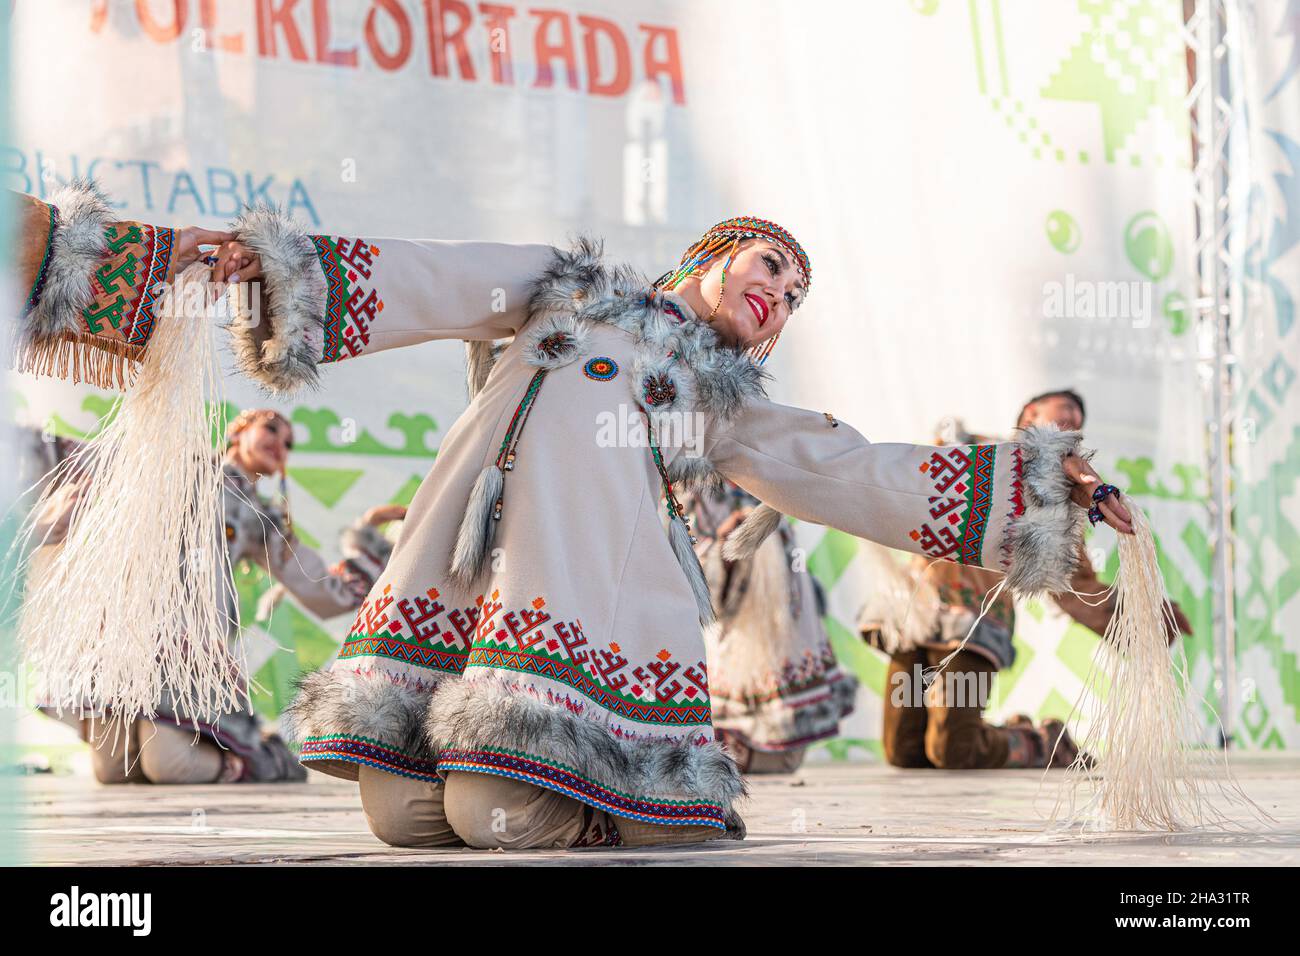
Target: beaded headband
{"points": [[728, 234], [730, 231]]}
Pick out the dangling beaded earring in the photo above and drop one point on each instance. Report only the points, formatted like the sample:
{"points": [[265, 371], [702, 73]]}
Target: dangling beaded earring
{"points": [[722, 287], [760, 352], [284, 499]]}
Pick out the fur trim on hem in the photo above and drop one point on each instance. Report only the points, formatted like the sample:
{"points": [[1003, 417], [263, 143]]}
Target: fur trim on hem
{"points": [[367, 704], [775, 725], [1043, 543], [469, 714], [280, 348]]}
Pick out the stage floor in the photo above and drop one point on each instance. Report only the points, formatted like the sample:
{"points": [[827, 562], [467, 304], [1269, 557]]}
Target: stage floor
{"points": [[826, 814]]}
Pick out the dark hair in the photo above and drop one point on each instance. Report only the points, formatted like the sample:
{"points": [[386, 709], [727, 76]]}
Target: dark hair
{"points": [[1069, 393]]}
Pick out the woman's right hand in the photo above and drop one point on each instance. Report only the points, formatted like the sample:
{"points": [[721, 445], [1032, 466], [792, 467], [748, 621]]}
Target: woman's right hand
{"points": [[236, 262]]}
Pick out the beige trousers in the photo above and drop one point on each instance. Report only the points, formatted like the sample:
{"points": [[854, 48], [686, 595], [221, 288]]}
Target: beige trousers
{"points": [[490, 812], [150, 753]]}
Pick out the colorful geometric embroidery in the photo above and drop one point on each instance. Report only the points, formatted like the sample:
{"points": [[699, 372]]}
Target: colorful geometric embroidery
{"points": [[966, 470], [350, 307], [541, 666], [981, 501], [1017, 503], [128, 282], [600, 369], [154, 286], [554, 776], [364, 750], [450, 661]]}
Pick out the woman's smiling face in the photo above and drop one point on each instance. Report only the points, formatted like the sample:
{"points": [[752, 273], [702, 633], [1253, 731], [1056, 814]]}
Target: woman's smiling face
{"points": [[763, 288]]}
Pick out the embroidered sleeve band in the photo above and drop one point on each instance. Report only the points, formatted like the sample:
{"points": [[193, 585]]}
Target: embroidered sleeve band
{"points": [[1003, 506], [325, 298], [92, 283]]}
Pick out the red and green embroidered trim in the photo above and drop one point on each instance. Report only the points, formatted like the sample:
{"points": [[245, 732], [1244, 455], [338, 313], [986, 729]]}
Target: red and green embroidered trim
{"points": [[364, 750], [154, 286], [959, 512], [562, 779], [981, 502], [128, 283], [351, 307], [451, 662], [528, 639], [541, 665]]}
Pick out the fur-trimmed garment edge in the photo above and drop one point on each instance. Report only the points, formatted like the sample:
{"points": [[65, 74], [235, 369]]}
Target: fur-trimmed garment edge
{"points": [[368, 705], [485, 713], [1043, 542], [284, 359], [579, 283], [79, 245]]}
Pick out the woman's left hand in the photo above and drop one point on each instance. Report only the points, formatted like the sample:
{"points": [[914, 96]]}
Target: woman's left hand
{"points": [[1086, 482]]}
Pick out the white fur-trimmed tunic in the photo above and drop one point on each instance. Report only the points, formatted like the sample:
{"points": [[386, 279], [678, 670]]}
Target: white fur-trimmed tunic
{"points": [[570, 653]]}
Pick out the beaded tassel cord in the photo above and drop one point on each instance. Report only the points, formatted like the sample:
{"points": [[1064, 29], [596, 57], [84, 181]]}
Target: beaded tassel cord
{"points": [[1146, 771], [487, 499], [133, 601]]}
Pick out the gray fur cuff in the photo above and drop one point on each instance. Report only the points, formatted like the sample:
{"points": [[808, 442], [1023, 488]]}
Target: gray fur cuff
{"points": [[277, 337], [1044, 542], [78, 246], [480, 714]]}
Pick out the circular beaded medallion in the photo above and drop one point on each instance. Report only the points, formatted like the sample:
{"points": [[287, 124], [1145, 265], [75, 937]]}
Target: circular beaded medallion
{"points": [[600, 369]]}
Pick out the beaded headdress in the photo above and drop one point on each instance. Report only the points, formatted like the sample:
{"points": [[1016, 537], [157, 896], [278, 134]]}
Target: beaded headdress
{"points": [[727, 236]]}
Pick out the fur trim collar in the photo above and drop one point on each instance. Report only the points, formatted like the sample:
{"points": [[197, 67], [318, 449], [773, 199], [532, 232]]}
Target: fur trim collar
{"points": [[701, 374]]}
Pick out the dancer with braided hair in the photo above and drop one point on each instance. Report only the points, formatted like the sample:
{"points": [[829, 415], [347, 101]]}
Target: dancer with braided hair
{"points": [[173, 747]]}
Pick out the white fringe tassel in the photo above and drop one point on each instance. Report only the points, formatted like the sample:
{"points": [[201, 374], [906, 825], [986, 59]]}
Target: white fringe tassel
{"points": [[134, 601], [1149, 772]]}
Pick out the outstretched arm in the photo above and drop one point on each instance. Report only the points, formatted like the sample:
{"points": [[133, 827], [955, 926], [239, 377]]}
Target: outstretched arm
{"points": [[324, 298], [1010, 506], [329, 590]]}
